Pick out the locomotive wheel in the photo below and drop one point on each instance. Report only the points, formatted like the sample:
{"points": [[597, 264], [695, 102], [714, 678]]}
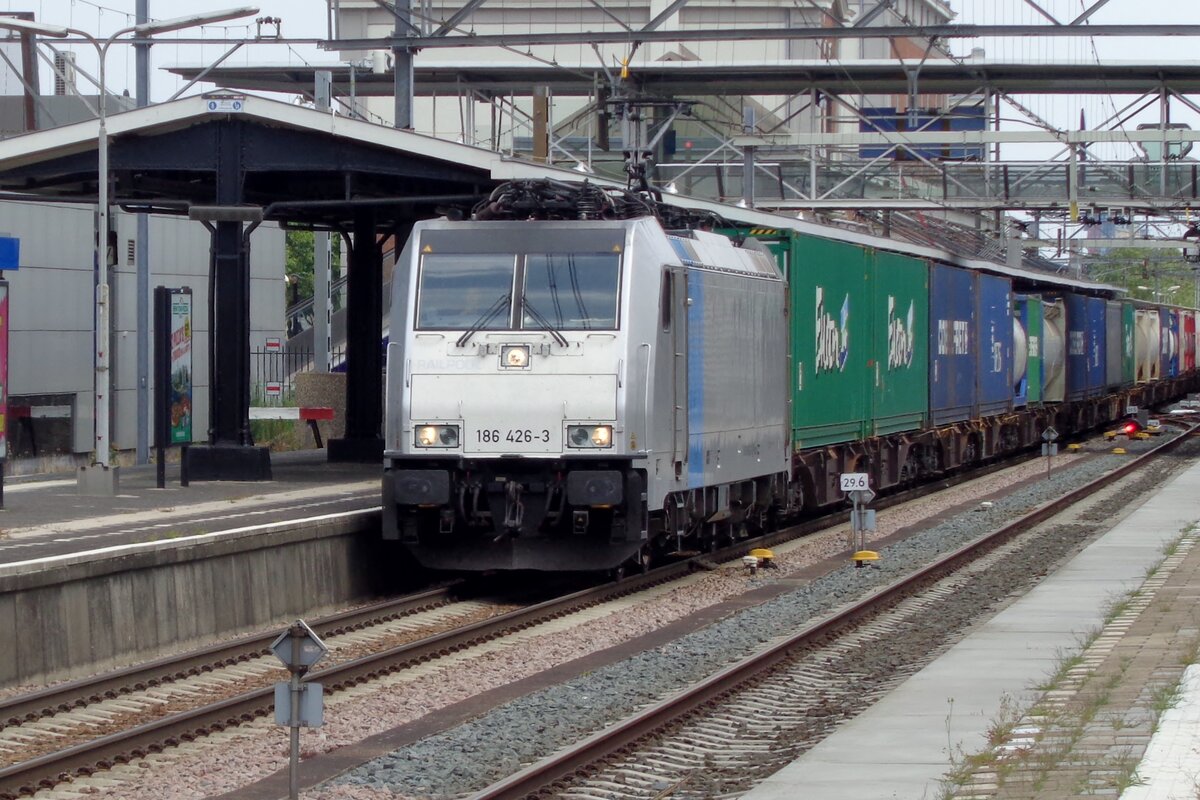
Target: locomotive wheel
{"points": [[643, 559]]}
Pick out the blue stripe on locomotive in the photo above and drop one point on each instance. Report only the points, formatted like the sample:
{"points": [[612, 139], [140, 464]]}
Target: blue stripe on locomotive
{"points": [[695, 362]]}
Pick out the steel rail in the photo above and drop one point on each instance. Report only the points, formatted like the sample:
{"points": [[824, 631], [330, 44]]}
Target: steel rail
{"points": [[609, 741], [79, 693], [52, 768]]}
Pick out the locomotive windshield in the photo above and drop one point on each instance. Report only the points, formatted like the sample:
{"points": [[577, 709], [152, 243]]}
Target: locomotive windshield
{"points": [[573, 291], [558, 291], [461, 291]]}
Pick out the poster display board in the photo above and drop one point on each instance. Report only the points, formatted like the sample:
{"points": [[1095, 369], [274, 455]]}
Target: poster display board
{"points": [[172, 372]]}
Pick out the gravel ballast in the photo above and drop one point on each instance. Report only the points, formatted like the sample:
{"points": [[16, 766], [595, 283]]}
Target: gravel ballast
{"points": [[498, 743]]}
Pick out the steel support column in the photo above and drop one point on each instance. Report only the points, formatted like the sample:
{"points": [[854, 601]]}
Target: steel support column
{"points": [[364, 351], [230, 454]]}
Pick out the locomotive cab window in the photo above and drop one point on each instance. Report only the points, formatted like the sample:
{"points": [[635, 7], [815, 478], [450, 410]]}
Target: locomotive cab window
{"points": [[560, 291], [466, 290], [571, 291]]}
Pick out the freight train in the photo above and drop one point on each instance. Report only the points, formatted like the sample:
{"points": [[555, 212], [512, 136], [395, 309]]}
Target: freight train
{"points": [[579, 379]]}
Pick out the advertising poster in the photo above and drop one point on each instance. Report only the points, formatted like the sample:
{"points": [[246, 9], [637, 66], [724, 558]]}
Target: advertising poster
{"points": [[180, 396]]}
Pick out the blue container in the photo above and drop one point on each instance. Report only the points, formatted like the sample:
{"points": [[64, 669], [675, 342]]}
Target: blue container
{"points": [[1097, 346], [1077, 346], [952, 351], [1170, 342], [994, 319]]}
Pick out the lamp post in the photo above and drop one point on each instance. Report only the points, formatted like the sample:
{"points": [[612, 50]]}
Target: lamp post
{"points": [[105, 481]]}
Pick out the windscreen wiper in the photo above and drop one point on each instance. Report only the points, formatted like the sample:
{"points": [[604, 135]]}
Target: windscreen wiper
{"points": [[501, 303], [545, 323]]}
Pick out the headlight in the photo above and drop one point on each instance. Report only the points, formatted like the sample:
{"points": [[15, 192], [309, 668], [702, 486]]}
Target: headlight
{"points": [[437, 436], [514, 356], [589, 435]]}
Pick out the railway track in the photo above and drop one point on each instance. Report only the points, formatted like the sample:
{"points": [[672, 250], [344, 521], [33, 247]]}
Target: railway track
{"points": [[741, 724], [85, 726]]}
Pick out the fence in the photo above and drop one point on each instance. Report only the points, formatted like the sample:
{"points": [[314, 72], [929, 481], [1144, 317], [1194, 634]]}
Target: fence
{"points": [[273, 373]]}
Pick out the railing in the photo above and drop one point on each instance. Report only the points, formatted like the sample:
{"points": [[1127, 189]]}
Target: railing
{"points": [[788, 179], [273, 374], [299, 316]]}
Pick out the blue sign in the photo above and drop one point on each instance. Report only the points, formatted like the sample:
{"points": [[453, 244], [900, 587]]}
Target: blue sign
{"points": [[10, 252]]}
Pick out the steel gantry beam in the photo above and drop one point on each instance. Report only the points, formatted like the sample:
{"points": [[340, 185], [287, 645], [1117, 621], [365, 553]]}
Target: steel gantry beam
{"points": [[869, 17], [760, 34], [1092, 10]]}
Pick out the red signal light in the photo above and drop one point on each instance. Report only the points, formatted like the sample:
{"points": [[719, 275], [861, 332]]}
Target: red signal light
{"points": [[1130, 427]]}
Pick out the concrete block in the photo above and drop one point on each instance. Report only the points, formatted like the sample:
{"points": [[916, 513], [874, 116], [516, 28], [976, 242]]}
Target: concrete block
{"points": [[199, 609], [322, 390], [259, 590], [125, 615], [31, 652], [166, 615], [100, 625], [277, 574], [141, 587], [77, 625], [89, 614], [94, 480], [9, 671]]}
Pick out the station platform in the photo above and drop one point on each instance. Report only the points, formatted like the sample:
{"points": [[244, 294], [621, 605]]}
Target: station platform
{"points": [[906, 744], [44, 515]]}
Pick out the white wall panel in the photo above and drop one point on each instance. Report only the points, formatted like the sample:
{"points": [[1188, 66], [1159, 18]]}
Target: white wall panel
{"points": [[52, 306]]}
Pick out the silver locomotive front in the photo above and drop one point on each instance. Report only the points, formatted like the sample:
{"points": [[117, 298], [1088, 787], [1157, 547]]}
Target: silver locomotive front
{"points": [[506, 442]]}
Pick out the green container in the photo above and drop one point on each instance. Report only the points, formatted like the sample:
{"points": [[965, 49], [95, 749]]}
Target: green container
{"points": [[1128, 356], [1031, 308], [898, 366], [859, 338], [831, 342]]}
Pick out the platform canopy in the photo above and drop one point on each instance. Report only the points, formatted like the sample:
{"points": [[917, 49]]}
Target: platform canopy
{"points": [[697, 78], [306, 167]]}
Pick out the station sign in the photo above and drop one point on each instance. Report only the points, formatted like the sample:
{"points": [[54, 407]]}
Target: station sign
{"points": [[299, 647], [855, 481], [311, 706]]}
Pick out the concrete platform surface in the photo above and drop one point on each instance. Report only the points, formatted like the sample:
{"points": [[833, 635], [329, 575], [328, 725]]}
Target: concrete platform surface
{"points": [[46, 516], [903, 745]]}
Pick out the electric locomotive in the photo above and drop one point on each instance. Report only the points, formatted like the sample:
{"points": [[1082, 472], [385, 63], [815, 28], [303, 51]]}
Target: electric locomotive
{"points": [[571, 386]]}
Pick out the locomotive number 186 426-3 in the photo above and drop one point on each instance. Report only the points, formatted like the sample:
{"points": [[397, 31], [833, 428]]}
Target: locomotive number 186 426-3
{"points": [[511, 435]]}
